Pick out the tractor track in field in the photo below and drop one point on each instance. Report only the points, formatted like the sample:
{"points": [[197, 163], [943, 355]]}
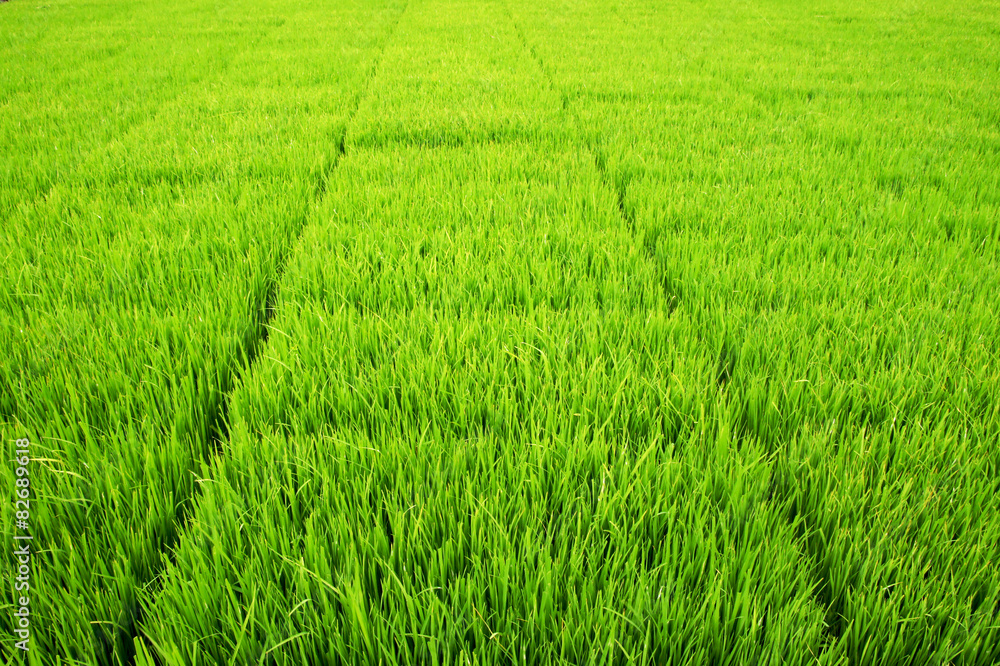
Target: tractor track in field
{"points": [[219, 421]]}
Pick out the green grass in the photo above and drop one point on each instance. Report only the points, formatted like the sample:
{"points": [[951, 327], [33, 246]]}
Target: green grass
{"points": [[137, 290], [548, 332]]}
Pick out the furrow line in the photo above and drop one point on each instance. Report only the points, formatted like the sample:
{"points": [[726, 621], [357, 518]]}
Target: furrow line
{"points": [[129, 616], [807, 552], [618, 190], [220, 419]]}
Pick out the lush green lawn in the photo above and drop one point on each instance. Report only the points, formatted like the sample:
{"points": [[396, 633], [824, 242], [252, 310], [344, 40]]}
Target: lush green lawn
{"points": [[489, 332]]}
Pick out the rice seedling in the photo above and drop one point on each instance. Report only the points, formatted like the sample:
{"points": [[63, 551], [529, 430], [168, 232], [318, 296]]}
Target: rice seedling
{"points": [[137, 287], [529, 480], [548, 332]]}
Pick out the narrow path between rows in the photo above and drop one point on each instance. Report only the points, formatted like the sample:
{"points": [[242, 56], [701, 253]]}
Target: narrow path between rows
{"points": [[219, 422], [833, 628]]}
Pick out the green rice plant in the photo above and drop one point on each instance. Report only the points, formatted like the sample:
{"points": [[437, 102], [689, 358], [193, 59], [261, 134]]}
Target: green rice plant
{"points": [[513, 479], [466, 230], [280, 110], [456, 74], [826, 213], [118, 387], [902, 525], [74, 77], [421, 548], [548, 332], [136, 291]]}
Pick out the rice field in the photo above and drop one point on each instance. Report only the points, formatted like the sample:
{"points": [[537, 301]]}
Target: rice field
{"points": [[496, 331]]}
